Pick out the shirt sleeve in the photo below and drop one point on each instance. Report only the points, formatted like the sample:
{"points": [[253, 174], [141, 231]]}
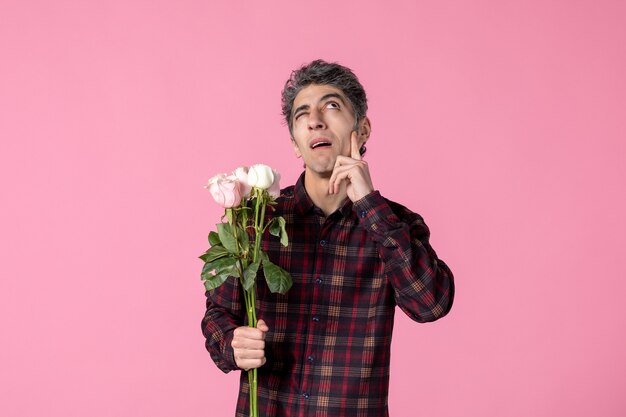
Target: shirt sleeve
{"points": [[223, 315], [423, 284]]}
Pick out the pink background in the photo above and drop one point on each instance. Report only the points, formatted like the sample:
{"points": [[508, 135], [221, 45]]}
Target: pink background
{"points": [[502, 123]]}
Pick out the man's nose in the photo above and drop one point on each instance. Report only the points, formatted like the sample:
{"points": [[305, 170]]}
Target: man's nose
{"points": [[316, 120]]}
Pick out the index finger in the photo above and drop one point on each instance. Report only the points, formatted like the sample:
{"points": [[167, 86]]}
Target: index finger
{"points": [[354, 145]]}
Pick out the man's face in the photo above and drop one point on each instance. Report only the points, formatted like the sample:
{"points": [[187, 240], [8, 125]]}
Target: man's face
{"points": [[322, 121]]}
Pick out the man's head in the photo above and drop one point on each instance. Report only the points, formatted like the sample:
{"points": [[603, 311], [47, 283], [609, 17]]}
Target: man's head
{"points": [[324, 105], [324, 73]]}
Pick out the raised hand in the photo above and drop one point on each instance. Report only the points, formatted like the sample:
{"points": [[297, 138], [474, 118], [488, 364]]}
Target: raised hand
{"points": [[354, 171]]}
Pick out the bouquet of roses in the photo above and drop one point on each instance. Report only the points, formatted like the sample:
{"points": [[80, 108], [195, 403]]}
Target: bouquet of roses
{"points": [[235, 249]]}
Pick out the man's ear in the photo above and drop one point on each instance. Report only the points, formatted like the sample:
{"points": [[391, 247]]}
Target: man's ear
{"points": [[296, 149], [365, 129]]}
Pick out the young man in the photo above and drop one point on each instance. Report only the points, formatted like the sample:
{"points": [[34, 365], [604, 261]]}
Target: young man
{"points": [[323, 348]]}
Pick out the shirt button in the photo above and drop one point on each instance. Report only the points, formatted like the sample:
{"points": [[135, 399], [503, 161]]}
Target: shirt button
{"points": [[318, 281], [316, 318], [323, 242], [305, 395], [311, 359], [363, 213]]}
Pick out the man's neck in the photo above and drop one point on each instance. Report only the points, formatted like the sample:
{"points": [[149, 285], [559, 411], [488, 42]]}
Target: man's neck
{"points": [[317, 188]]}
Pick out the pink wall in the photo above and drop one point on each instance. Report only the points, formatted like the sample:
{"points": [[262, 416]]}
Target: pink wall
{"points": [[502, 123]]}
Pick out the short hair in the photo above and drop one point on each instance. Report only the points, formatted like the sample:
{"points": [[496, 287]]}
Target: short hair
{"points": [[324, 73]]}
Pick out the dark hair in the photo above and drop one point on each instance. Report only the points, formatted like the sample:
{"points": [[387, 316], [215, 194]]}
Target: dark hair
{"points": [[324, 73]]}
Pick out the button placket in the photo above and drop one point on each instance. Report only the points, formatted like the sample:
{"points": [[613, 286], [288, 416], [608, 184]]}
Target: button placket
{"points": [[309, 356]]}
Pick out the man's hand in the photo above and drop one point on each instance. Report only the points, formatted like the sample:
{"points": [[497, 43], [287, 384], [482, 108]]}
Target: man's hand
{"points": [[249, 344], [354, 171]]}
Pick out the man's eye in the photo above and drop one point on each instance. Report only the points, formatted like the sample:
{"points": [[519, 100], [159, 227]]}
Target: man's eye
{"points": [[332, 105]]}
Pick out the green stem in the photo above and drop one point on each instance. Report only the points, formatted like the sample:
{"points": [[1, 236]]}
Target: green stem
{"points": [[233, 224], [256, 225], [258, 221], [250, 295], [252, 373]]}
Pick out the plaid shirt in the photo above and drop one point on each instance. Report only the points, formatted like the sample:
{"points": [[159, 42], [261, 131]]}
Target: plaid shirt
{"points": [[328, 347]]}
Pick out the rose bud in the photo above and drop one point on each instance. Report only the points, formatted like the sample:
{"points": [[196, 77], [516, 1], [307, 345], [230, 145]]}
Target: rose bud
{"points": [[242, 175], [225, 190], [260, 176], [274, 189]]}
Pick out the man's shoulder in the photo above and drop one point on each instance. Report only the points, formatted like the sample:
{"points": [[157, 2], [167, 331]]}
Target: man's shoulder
{"points": [[287, 191], [286, 200]]}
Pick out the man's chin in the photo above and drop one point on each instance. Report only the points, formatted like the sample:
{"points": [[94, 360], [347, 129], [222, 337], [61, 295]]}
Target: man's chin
{"points": [[320, 172]]}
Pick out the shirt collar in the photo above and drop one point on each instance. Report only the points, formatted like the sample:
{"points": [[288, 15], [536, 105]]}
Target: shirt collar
{"points": [[304, 203]]}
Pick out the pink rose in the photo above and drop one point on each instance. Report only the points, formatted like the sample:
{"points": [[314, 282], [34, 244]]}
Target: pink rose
{"points": [[242, 175], [225, 189], [274, 189]]}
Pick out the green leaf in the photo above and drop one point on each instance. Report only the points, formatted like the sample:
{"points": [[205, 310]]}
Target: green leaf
{"points": [[215, 273], [278, 280], [244, 241], [277, 228], [215, 252], [249, 275], [284, 239], [225, 232], [214, 239], [213, 283], [274, 227], [263, 256]]}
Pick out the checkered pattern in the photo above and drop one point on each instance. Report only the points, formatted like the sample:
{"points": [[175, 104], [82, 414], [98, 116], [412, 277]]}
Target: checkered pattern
{"points": [[329, 341]]}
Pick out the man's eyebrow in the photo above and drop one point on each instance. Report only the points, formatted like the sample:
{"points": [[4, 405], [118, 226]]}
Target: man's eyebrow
{"points": [[333, 95], [323, 98], [300, 108]]}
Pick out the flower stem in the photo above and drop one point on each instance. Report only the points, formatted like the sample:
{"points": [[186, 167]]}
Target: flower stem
{"points": [[233, 223], [258, 221], [250, 295]]}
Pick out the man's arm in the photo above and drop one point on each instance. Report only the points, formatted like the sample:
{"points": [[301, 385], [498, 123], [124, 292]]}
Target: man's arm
{"points": [[423, 284], [223, 315], [231, 345]]}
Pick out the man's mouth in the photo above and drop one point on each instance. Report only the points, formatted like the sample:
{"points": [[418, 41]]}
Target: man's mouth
{"points": [[320, 143]]}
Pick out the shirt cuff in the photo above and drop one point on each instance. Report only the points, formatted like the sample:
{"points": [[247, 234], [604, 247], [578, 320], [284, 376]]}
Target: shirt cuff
{"points": [[229, 353], [375, 213], [226, 361]]}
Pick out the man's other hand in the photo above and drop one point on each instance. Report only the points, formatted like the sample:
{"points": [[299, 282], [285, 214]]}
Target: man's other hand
{"points": [[249, 346]]}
